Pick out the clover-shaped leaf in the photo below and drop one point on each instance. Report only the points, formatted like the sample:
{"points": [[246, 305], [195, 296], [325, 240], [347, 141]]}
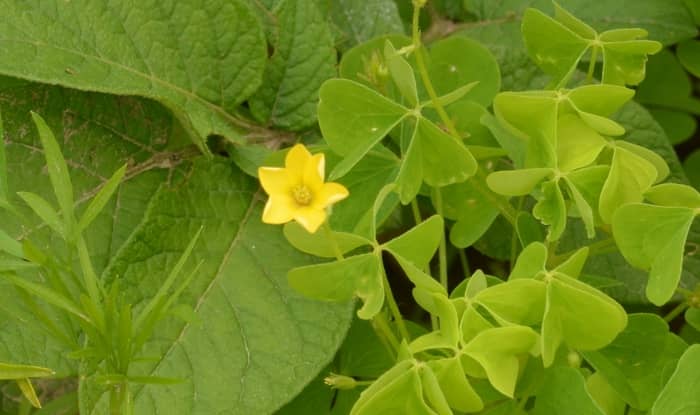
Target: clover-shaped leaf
{"points": [[653, 238], [558, 44], [458, 392]]}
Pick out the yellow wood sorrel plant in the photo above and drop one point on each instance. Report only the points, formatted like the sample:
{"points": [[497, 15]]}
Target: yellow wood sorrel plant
{"points": [[467, 213]]}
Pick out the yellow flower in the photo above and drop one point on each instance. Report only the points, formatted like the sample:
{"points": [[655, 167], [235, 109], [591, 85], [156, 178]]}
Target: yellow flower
{"points": [[297, 191]]}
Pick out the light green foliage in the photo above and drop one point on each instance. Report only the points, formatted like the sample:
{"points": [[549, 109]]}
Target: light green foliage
{"points": [[565, 390], [678, 396], [360, 21], [557, 45]]}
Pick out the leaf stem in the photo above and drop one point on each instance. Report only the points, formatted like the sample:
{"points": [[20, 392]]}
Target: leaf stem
{"points": [[380, 324], [591, 65], [464, 262], [393, 307], [678, 309], [416, 211], [331, 237], [442, 249]]}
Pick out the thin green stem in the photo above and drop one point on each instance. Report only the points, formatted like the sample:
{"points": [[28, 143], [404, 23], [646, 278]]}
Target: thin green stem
{"points": [[331, 238], [416, 211], [677, 310], [380, 324], [591, 65], [514, 237], [423, 70], [464, 262], [393, 307], [442, 250]]}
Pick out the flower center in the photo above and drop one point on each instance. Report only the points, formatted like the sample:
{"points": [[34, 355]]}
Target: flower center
{"points": [[302, 195]]}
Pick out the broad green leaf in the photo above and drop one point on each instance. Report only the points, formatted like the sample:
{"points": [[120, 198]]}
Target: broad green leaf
{"points": [[659, 163], [418, 245], [200, 73], [457, 61], [564, 391], [236, 286], [579, 316], [534, 117], [101, 198], [322, 244], [497, 349], [435, 157], [402, 74], [653, 238], [353, 119], [624, 60], [630, 176], [360, 21], [666, 84], [679, 396], [673, 194], [519, 301], [551, 209], [517, 182], [445, 159], [530, 262], [688, 53], [635, 354], [600, 99], [58, 173], [342, 281], [605, 395], [554, 47], [454, 384], [396, 391], [692, 317], [288, 95], [679, 126], [578, 145]]}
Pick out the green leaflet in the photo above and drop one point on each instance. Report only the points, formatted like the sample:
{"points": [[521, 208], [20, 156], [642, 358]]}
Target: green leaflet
{"points": [[678, 396], [653, 238], [565, 390], [633, 363], [551, 209], [179, 62], [321, 244], [557, 45], [287, 97]]}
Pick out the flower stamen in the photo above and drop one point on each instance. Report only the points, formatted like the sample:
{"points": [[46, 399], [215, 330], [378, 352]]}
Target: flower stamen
{"points": [[302, 195]]}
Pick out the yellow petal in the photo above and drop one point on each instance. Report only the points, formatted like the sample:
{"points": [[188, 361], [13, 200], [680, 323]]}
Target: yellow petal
{"points": [[275, 180], [279, 209], [297, 158], [314, 172], [330, 193], [310, 219]]}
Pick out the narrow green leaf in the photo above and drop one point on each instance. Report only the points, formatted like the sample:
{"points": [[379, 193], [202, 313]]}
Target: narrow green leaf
{"points": [[49, 295], [680, 396], [25, 385], [58, 172], [44, 210], [653, 238], [4, 187], [15, 372], [10, 245], [101, 198], [410, 176], [584, 209], [451, 97], [574, 264]]}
